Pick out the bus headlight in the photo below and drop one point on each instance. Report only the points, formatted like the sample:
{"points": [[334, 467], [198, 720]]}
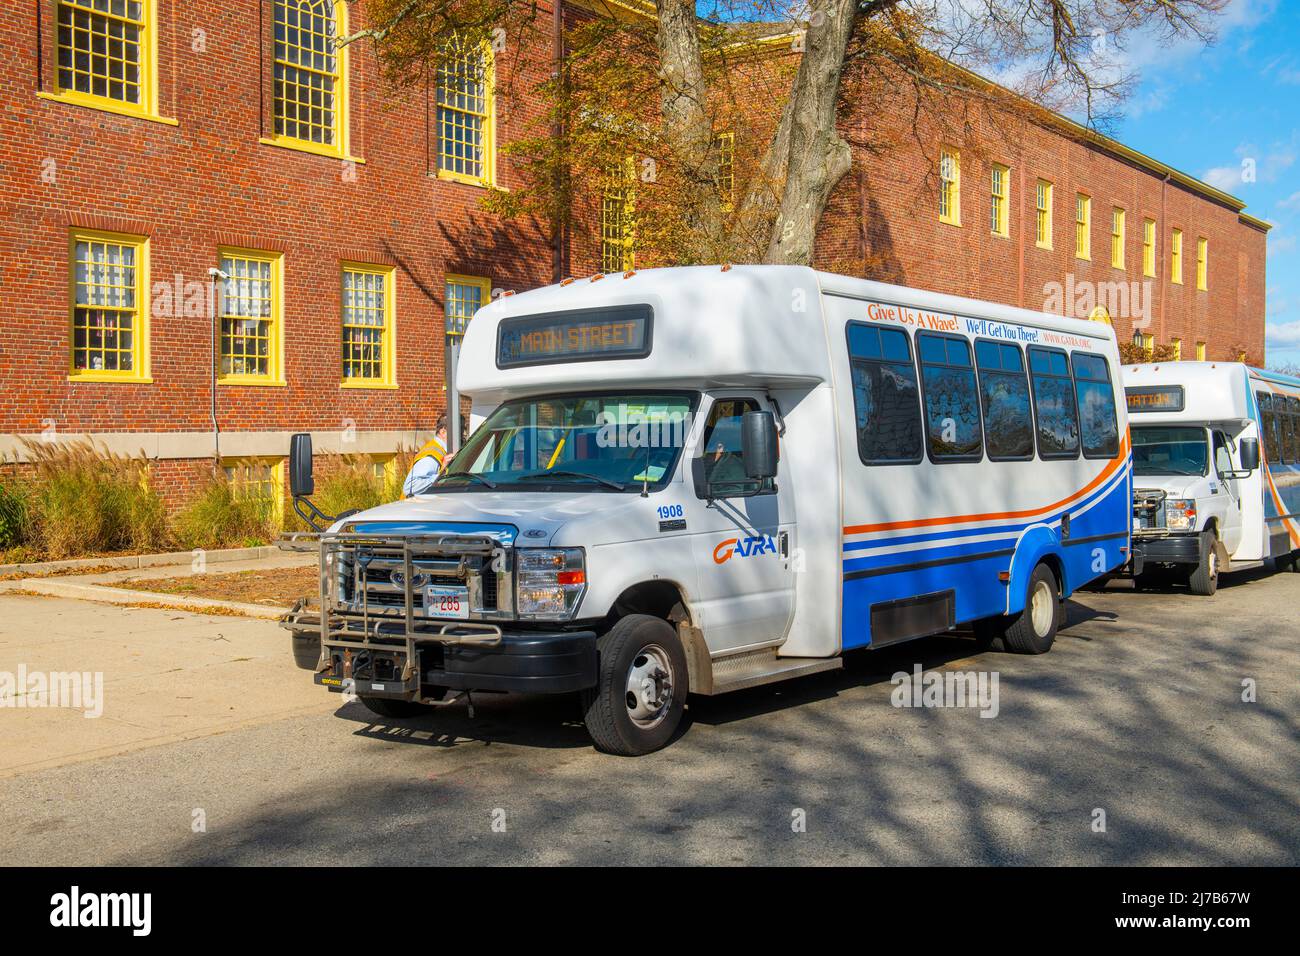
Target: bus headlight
{"points": [[549, 582], [1180, 514]]}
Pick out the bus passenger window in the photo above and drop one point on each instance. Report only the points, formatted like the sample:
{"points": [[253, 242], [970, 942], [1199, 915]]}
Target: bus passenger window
{"points": [[1004, 391], [885, 395], [951, 406], [1096, 398], [1291, 450], [1058, 418], [1268, 428]]}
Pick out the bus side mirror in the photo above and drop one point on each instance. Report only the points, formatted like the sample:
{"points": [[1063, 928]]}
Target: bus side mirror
{"points": [[301, 484], [1248, 448], [758, 445]]}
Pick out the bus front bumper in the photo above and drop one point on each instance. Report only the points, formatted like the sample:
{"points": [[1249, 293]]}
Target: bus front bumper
{"points": [[1165, 549]]}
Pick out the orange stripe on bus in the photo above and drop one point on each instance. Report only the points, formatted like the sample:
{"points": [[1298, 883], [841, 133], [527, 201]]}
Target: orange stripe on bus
{"points": [[1001, 515]]}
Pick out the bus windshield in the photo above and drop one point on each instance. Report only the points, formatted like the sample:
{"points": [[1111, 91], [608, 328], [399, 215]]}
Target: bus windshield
{"points": [[603, 441], [1170, 450]]}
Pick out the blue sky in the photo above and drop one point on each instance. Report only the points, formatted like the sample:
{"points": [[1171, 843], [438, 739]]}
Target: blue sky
{"points": [[1207, 111]]}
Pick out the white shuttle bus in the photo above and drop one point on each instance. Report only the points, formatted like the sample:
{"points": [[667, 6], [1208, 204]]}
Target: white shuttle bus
{"points": [[1206, 500], [702, 479]]}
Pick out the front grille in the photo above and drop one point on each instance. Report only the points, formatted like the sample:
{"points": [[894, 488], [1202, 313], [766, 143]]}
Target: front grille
{"points": [[1149, 510], [369, 576]]}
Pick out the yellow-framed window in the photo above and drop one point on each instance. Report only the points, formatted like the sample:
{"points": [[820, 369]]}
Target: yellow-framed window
{"points": [[1043, 215], [310, 75], [251, 309], [1118, 224], [950, 186], [1149, 248], [1000, 201], [257, 479], [1176, 257], [106, 54], [369, 326], [725, 144], [466, 111], [1203, 264], [1149, 344], [108, 307], [464, 296], [1200, 351], [1082, 226], [618, 219], [1177, 345]]}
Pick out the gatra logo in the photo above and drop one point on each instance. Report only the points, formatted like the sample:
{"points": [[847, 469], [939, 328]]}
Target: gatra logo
{"points": [[749, 547]]}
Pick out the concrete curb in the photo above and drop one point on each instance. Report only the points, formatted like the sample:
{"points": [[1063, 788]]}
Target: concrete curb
{"points": [[54, 587], [133, 561]]}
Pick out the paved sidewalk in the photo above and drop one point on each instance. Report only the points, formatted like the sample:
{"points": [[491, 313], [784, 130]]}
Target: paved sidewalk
{"points": [[168, 676]]}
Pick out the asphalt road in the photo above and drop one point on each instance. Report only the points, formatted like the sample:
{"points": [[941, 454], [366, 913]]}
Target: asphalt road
{"points": [[1137, 712]]}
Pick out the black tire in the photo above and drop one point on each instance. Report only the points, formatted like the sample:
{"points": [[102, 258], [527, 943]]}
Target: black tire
{"points": [[1034, 629], [1292, 563], [649, 646], [989, 630], [1204, 579], [306, 649], [391, 707]]}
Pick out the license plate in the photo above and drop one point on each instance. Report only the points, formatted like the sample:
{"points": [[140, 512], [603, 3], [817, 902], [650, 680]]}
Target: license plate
{"points": [[446, 602]]}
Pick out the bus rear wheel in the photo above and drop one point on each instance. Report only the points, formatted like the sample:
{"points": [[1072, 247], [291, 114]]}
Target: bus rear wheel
{"points": [[1034, 630]]}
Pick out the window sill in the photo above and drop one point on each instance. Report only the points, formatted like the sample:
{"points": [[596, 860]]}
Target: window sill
{"points": [[464, 180], [370, 385], [302, 146], [257, 382], [106, 378], [1045, 248], [950, 222], [106, 106]]}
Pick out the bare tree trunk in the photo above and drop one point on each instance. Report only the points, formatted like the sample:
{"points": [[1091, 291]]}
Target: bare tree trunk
{"points": [[684, 110], [818, 156]]}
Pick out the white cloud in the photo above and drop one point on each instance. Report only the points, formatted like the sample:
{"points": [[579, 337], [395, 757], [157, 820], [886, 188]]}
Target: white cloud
{"points": [[1290, 202], [1226, 178], [1284, 335]]}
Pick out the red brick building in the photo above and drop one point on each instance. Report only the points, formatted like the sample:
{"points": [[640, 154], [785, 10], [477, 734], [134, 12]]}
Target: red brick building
{"points": [[146, 143]]}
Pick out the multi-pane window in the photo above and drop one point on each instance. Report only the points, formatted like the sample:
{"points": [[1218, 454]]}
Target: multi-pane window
{"points": [[257, 480], [1117, 229], [725, 143], [952, 407], [1149, 248], [1000, 201], [250, 333], [1043, 215], [1096, 400], [465, 295], [1176, 257], [1083, 226], [1054, 403], [368, 347], [1200, 351], [617, 220], [1004, 393], [464, 84], [109, 318], [309, 96], [885, 395], [950, 186], [1203, 264], [1177, 345], [104, 51]]}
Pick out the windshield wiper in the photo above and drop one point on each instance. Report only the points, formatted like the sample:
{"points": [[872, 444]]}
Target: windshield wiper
{"points": [[616, 485], [469, 474]]}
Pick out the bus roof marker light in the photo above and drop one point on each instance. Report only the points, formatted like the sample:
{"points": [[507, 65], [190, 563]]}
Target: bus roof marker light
{"points": [[570, 279], [597, 277], [629, 274], [726, 267]]}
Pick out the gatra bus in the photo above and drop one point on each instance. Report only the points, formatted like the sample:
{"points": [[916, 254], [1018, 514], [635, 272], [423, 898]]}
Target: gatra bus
{"points": [[1207, 500], [697, 480]]}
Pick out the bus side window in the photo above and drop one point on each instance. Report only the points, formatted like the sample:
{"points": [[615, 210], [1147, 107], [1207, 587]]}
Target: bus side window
{"points": [[885, 395], [1004, 391], [1268, 427], [1058, 417], [1096, 400], [1222, 457], [1292, 450], [952, 411]]}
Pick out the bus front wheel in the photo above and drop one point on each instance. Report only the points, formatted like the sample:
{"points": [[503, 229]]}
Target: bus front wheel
{"points": [[637, 704], [1034, 630]]}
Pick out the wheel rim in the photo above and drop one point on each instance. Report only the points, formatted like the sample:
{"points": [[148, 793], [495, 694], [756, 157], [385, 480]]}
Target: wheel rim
{"points": [[1042, 609], [649, 691], [1214, 564]]}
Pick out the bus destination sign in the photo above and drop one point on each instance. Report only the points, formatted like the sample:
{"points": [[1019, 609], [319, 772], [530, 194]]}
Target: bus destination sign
{"points": [[1155, 398], [587, 335]]}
